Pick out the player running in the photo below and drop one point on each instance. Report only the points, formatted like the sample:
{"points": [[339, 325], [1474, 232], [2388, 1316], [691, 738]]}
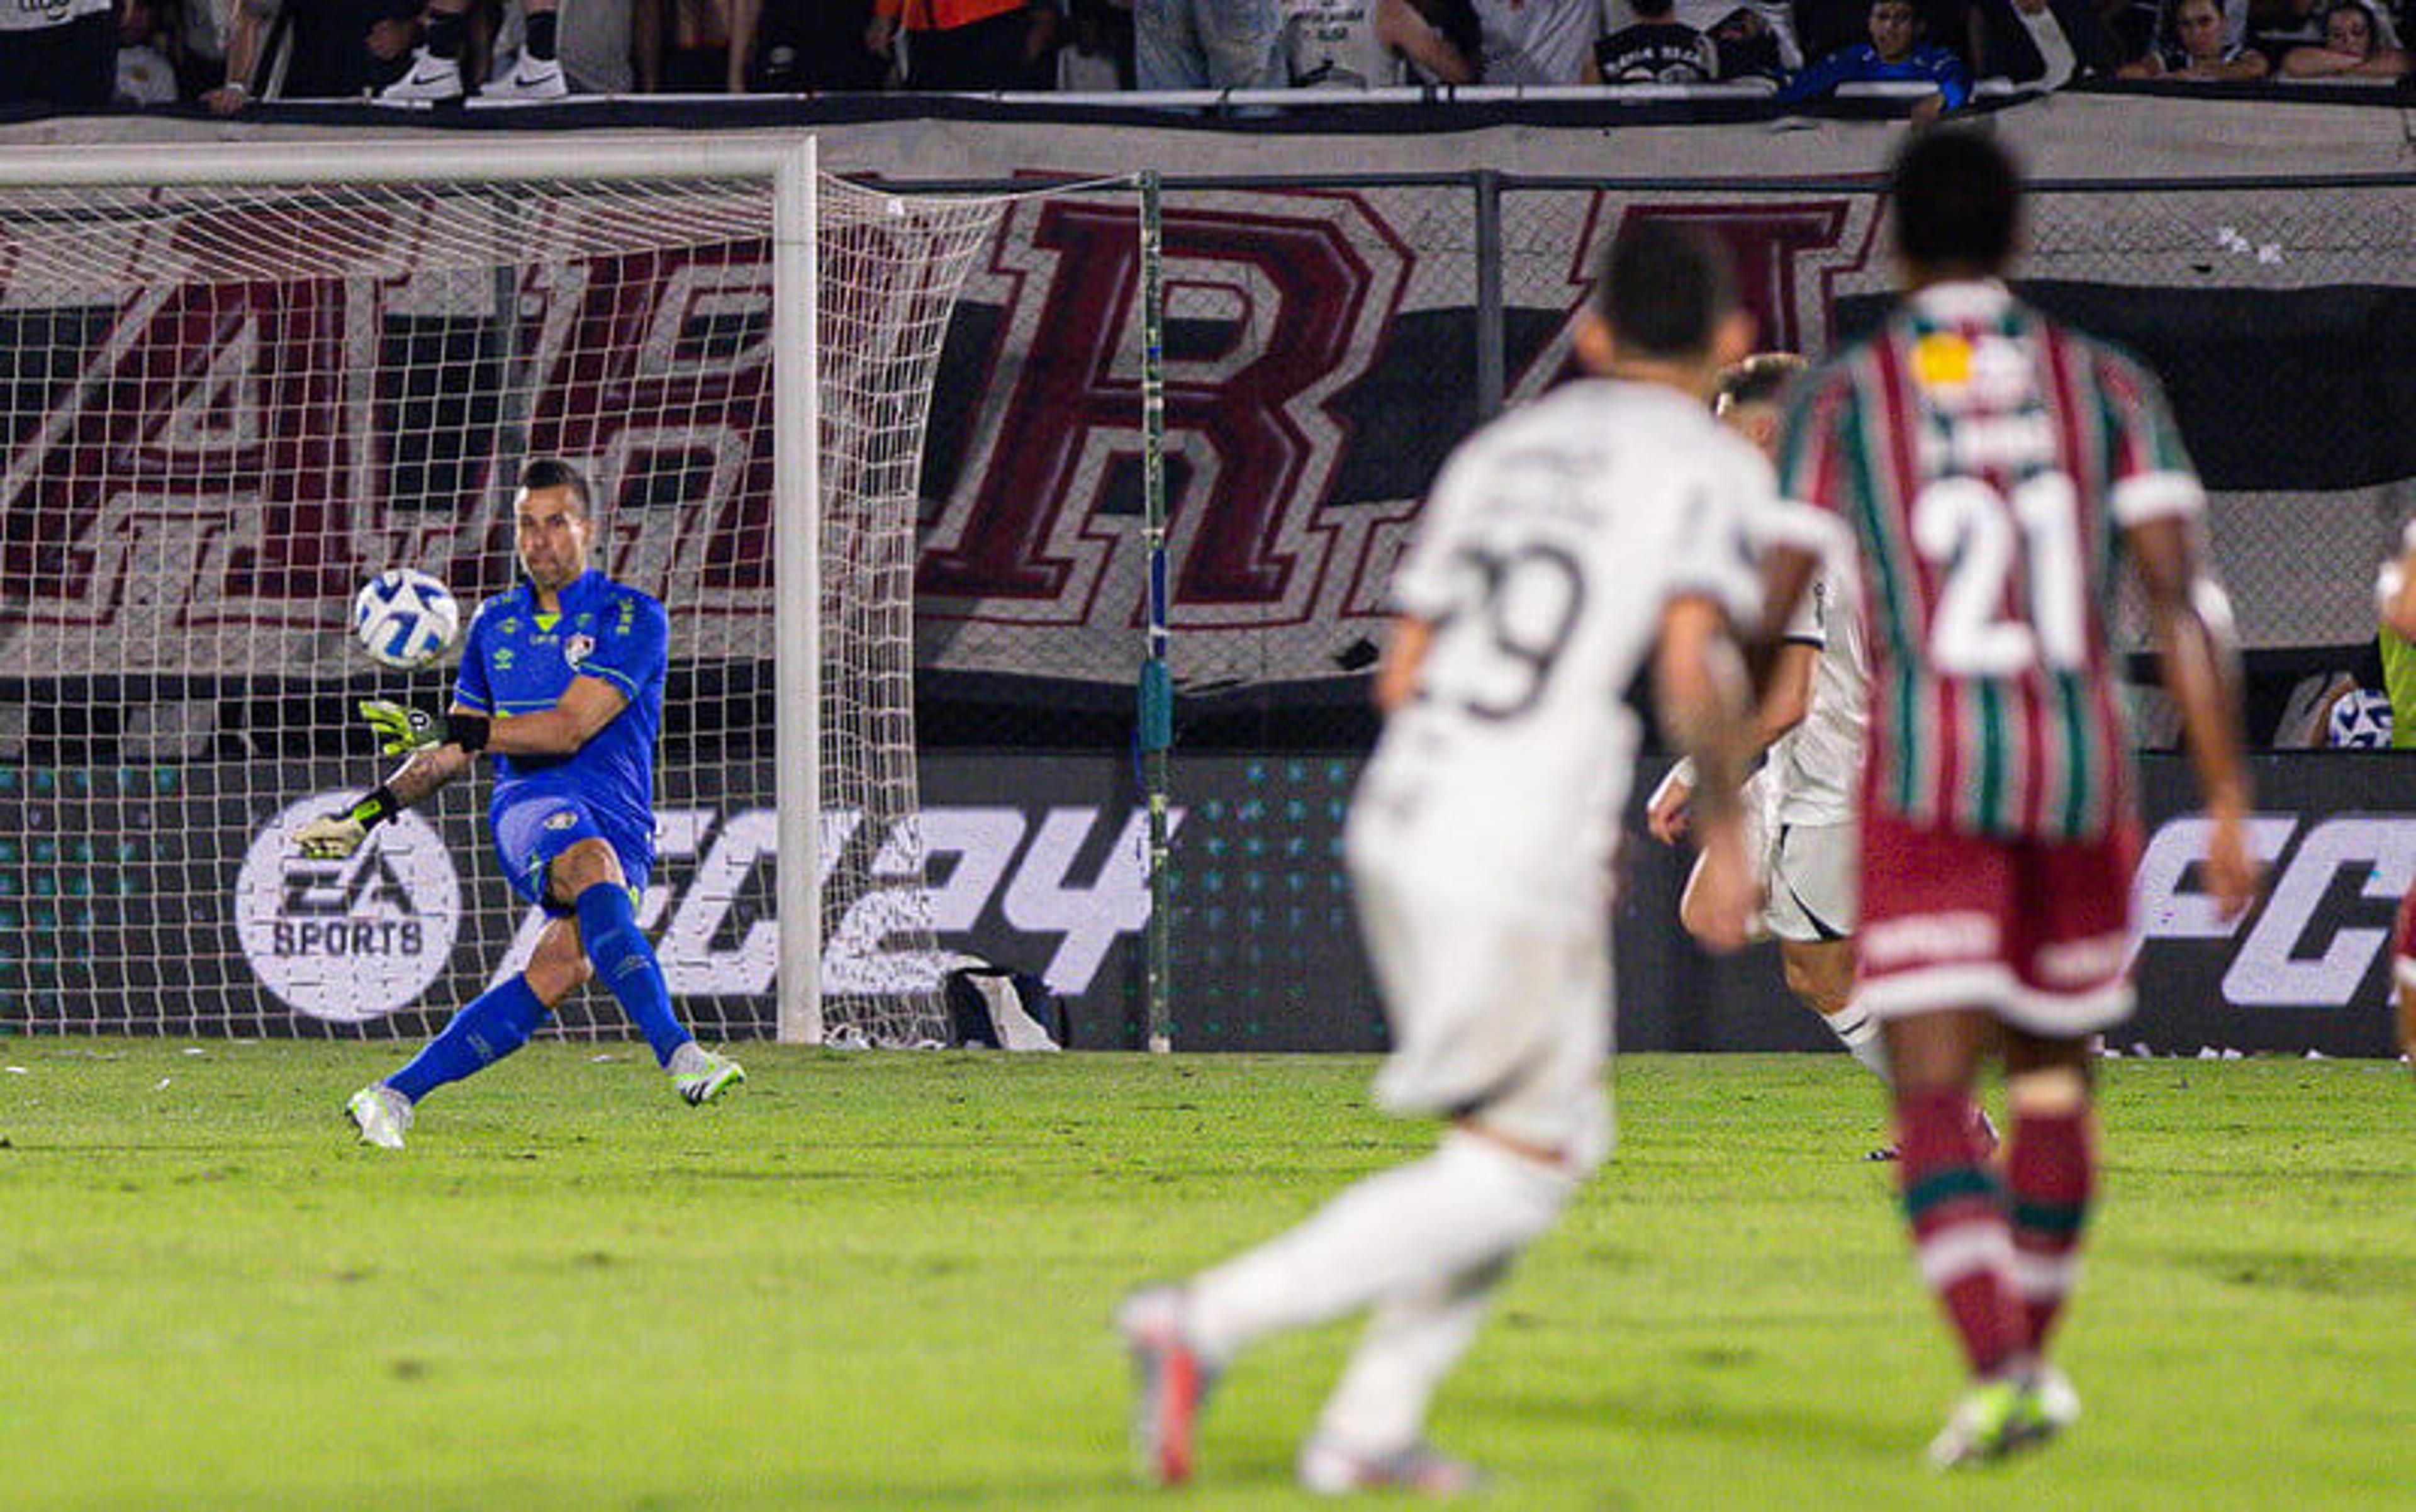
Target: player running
{"points": [[1800, 828], [1997, 468], [562, 687], [1562, 545]]}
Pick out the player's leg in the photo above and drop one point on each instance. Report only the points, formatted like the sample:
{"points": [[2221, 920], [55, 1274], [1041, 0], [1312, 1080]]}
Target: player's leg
{"points": [[588, 875], [2050, 1169], [1410, 1343], [552, 853], [2070, 963], [1820, 974], [489, 1027], [1938, 924], [1813, 910], [1483, 1025], [1954, 1201]]}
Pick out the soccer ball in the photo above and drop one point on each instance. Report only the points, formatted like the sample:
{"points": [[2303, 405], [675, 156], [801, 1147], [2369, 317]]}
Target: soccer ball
{"points": [[405, 618], [2361, 720]]}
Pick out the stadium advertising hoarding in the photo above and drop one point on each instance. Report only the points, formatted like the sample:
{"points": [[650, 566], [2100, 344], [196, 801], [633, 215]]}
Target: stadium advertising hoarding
{"points": [[210, 921]]}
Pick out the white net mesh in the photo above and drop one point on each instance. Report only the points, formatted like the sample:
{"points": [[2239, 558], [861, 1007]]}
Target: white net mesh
{"points": [[221, 409]]}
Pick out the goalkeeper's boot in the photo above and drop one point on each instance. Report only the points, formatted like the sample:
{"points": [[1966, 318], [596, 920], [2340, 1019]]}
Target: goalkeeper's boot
{"points": [[431, 79], [380, 1114], [1330, 1470], [530, 79], [1170, 1383], [701, 1076]]}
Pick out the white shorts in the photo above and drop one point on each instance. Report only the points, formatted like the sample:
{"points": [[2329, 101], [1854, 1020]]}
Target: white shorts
{"points": [[1807, 874], [1500, 1014], [1811, 881]]}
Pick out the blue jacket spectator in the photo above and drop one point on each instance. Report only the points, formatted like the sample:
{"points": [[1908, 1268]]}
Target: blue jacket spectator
{"points": [[1895, 52]]}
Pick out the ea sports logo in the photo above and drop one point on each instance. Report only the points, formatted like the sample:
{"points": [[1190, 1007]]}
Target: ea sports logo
{"points": [[349, 940]]}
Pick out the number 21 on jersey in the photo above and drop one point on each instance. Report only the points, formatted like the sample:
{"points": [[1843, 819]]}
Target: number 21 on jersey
{"points": [[1978, 537]]}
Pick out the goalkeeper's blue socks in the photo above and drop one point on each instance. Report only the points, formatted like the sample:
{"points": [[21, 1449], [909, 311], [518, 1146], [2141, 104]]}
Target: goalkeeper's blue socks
{"points": [[496, 1022], [607, 928]]}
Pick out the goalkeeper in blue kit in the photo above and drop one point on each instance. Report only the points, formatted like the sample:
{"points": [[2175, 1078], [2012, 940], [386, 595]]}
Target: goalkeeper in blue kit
{"points": [[562, 687]]}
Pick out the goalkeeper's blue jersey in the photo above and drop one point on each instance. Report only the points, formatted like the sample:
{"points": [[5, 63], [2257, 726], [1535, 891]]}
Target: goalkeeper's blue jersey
{"points": [[519, 662]]}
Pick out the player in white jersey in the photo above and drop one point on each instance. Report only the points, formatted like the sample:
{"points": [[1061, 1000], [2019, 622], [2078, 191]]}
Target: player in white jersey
{"points": [[1813, 717], [1565, 547]]}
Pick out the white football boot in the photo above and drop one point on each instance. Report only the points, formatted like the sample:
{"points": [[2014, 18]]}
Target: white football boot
{"points": [[700, 1076], [380, 1114], [431, 79]]}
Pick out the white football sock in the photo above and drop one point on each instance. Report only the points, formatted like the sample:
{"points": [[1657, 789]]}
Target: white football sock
{"points": [[1470, 1204], [1861, 1034], [1379, 1406]]}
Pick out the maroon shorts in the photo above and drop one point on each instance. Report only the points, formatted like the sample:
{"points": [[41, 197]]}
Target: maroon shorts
{"points": [[2037, 931]]}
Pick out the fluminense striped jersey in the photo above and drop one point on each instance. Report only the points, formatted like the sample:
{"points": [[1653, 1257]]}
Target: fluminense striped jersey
{"points": [[1990, 460]]}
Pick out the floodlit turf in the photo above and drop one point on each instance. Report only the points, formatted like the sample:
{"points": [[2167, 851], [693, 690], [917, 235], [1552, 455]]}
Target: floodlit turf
{"points": [[884, 1281]]}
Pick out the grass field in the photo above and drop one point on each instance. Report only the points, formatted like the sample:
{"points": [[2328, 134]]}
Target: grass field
{"points": [[884, 1281]]}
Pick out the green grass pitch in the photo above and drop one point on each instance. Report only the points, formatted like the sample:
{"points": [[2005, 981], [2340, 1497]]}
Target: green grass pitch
{"points": [[884, 1281]]}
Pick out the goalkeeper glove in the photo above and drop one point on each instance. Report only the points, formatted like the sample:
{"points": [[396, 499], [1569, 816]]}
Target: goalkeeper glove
{"points": [[403, 731], [334, 837]]}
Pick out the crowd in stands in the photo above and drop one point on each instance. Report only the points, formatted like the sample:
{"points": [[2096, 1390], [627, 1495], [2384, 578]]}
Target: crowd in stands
{"points": [[224, 53]]}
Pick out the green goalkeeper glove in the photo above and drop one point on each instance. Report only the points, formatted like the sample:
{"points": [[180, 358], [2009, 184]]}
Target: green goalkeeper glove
{"points": [[403, 731], [334, 837]]}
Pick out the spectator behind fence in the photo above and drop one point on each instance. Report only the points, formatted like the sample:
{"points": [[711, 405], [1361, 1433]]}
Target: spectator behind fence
{"points": [[1208, 44], [682, 47], [1654, 49], [144, 76], [1099, 54], [1362, 44], [1896, 51], [199, 52], [1537, 41], [2198, 51], [62, 54], [2352, 47], [1756, 43], [337, 49], [1753, 39], [972, 45], [1826, 26]]}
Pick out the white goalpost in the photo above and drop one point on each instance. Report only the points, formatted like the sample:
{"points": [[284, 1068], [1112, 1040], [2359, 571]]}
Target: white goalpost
{"points": [[233, 384]]}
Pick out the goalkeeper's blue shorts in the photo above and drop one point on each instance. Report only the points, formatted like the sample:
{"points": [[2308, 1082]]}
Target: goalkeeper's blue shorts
{"points": [[530, 832]]}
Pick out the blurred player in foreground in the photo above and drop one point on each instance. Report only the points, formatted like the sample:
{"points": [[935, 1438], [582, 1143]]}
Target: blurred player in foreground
{"points": [[1799, 807], [1564, 546], [2394, 595], [562, 687], [1997, 467]]}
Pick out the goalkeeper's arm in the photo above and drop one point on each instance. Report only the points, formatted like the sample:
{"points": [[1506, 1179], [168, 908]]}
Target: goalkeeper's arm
{"points": [[334, 837]]}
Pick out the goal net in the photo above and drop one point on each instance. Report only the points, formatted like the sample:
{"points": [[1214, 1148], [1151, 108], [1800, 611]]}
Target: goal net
{"points": [[224, 404]]}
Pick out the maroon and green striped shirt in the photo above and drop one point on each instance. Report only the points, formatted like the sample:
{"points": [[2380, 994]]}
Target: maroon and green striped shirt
{"points": [[1990, 460]]}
